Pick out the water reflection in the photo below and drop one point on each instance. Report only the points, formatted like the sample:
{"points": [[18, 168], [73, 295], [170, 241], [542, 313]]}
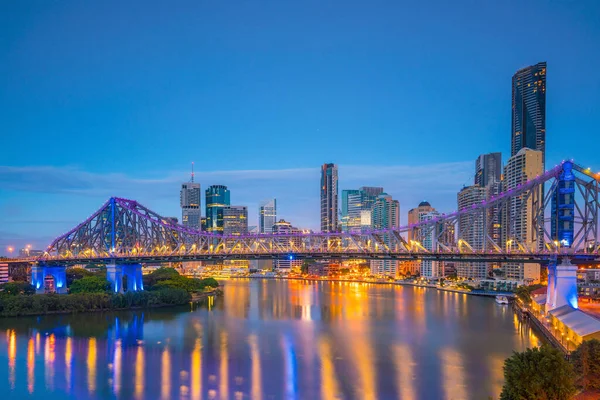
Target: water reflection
{"points": [[271, 339]]}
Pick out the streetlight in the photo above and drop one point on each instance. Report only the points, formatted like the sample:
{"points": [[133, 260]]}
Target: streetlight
{"points": [[10, 250]]}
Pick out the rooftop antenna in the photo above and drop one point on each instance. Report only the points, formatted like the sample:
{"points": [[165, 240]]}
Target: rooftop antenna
{"points": [[192, 172]]}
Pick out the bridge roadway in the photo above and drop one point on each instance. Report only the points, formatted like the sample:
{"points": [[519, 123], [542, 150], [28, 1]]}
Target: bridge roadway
{"points": [[543, 258]]}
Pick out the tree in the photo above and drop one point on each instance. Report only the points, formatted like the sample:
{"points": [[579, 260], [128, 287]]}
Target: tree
{"points": [[586, 361], [74, 274], [161, 274], [90, 284], [16, 288], [538, 373]]}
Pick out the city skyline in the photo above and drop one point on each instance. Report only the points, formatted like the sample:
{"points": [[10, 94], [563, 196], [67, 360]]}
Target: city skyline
{"points": [[115, 102]]}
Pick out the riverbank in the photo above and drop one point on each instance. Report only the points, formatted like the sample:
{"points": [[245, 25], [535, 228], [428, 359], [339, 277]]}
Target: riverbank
{"points": [[45, 304]]}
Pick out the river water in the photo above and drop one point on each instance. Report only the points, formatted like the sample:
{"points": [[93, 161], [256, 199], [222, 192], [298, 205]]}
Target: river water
{"points": [[270, 339]]}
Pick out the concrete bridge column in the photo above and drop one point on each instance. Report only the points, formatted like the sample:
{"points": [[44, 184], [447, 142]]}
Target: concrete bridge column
{"points": [[60, 278], [114, 274], [38, 274], [134, 277], [566, 284], [551, 292]]}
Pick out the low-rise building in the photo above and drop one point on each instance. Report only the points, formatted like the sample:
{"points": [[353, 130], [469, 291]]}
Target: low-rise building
{"points": [[573, 326]]}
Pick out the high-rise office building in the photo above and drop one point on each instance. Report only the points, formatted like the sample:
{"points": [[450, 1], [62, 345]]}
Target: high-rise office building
{"points": [[189, 200], [329, 198], [217, 198], [414, 215], [488, 169], [529, 110], [235, 220], [356, 208], [267, 215], [429, 268], [518, 225], [282, 227], [471, 231], [385, 214]]}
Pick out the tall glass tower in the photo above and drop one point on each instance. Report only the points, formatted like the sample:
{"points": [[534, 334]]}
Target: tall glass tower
{"points": [[529, 109], [267, 216], [217, 198], [329, 198]]}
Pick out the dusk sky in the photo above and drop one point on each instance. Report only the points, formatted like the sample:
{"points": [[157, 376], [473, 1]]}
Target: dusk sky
{"points": [[118, 98]]}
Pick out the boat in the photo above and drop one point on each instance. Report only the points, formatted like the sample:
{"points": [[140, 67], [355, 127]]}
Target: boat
{"points": [[501, 299]]}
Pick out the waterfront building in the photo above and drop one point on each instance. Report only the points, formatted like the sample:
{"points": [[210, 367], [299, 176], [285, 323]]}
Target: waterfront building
{"points": [[488, 169], [471, 231], [3, 273], [519, 217], [385, 214], [414, 216], [529, 110], [329, 198], [217, 198], [267, 215], [283, 227], [356, 208], [428, 268], [189, 200], [235, 220]]}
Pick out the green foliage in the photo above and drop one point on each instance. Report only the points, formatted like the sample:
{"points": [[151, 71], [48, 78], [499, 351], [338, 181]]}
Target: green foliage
{"points": [[90, 284], [210, 282], [539, 373], [523, 293], [586, 361], [80, 302], [74, 274], [16, 288], [161, 274], [190, 285]]}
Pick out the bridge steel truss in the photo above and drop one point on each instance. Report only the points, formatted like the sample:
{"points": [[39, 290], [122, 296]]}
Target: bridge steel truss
{"points": [[124, 231]]}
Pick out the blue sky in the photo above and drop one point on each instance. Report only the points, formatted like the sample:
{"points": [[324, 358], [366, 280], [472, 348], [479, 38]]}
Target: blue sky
{"points": [[118, 98]]}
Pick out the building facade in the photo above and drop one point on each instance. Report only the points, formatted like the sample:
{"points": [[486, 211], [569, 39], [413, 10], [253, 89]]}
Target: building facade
{"points": [[520, 227], [385, 214], [267, 216], [189, 200], [471, 231], [356, 208], [488, 169], [329, 198], [428, 268], [217, 198], [283, 227], [529, 110], [235, 220]]}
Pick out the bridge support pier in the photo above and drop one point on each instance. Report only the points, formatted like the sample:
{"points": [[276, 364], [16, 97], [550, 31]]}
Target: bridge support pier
{"points": [[133, 272], [38, 275], [566, 285], [38, 278], [114, 274], [551, 292]]}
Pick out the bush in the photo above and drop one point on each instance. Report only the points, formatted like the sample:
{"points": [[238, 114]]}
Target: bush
{"points": [[90, 284], [74, 274], [80, 302], [16, 288], [161, 274], [539, 373], [586, 361]]}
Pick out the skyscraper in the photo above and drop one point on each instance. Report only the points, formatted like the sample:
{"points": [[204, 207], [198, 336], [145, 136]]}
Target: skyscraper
{"points": [[471, 231], [217, 198], [283, 227], [385, 214], [267, 215], [414, 215], [329, 198], [519, 228], [235, 220], [356, 208], [529, 110], [488, 169], [189, 200], [429, 268]]}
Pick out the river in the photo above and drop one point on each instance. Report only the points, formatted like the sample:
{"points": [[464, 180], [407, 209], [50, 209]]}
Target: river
{"points": [[270, 339]]}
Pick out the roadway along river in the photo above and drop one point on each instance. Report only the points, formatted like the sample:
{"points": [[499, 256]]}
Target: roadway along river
{"points": [[268, 339]]}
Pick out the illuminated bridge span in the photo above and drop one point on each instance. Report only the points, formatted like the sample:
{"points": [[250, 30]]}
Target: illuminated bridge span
{"points": [[564, 203]]}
